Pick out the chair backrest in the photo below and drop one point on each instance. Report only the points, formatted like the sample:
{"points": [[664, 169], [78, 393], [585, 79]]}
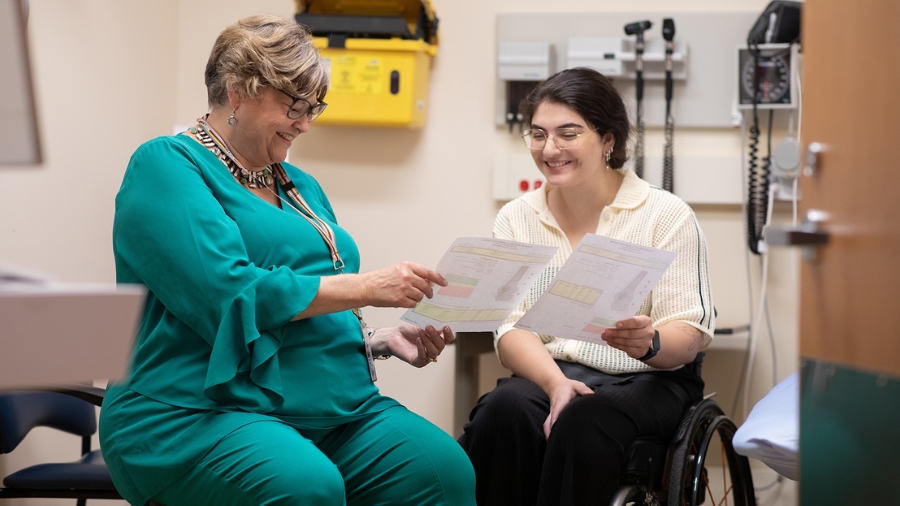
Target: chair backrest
{"points": [[22, 411]]}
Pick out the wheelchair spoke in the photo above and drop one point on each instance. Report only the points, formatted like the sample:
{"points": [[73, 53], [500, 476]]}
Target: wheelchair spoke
{"points": [[725, 501], [727, 487], [709, 492]]}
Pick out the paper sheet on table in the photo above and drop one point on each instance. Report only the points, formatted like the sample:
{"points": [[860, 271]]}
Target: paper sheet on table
{"points": [[603, 281], [488, 278]]}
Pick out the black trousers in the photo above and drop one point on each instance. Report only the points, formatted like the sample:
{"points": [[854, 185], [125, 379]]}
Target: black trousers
{"points": [[582, 461]]}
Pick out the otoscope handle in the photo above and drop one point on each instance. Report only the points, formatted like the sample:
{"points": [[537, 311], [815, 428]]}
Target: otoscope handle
{"points": [[669, 71], [639, 84], [668, 32]]}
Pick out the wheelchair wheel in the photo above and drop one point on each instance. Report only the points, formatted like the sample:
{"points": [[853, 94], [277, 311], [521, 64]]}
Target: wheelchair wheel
{"points": [[629, 494], [689, 481]]}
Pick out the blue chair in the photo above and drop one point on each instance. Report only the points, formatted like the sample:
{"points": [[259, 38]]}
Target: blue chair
{"points": [[70, 410]]}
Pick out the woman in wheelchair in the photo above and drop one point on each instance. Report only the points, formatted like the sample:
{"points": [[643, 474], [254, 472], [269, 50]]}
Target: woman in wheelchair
{"points": [[555, 432]]}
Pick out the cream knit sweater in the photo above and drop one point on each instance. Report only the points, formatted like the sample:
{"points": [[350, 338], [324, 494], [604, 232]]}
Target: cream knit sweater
{"points": [[641, 214]]}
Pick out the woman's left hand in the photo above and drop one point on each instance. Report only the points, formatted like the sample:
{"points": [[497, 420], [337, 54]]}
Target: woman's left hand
{"points": [[633, 336], [412, 344]]}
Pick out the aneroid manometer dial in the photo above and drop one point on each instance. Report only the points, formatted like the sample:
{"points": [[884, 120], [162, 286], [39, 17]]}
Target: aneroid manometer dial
{"points": [[771, 70]]}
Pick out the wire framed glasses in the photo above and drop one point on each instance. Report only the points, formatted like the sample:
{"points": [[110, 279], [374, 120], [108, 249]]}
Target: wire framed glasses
{"points": [[564, 138]]}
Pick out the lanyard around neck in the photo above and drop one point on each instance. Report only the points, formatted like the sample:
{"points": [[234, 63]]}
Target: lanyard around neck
{"points": [[304, 210], [214, 140]]}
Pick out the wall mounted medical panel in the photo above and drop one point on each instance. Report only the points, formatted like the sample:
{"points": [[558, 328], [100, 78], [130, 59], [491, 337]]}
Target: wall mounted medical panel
{"points": [[703, 89]]}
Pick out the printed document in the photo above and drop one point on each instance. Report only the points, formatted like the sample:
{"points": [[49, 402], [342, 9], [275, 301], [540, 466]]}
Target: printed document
{"points": [[488, 278], [603, 281]]}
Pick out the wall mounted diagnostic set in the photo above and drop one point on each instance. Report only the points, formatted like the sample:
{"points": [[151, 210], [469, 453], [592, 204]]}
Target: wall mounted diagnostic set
{"points": [[522, 64]]}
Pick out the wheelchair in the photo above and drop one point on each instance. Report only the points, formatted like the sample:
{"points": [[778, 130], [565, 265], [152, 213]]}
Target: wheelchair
{"points": [[674, 473], [671, 473]]}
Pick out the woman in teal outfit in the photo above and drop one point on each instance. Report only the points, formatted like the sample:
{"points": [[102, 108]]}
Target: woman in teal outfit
{"points": [[252, 379]]}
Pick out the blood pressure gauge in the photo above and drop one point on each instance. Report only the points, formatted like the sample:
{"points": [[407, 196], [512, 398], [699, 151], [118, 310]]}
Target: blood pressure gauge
{"points": [[775, 67]]}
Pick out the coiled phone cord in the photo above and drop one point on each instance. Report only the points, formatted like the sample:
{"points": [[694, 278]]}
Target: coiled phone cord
{"points": [[758, 177]]}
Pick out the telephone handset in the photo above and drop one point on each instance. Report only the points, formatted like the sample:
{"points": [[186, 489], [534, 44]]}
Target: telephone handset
{"points": [[778, 23]]}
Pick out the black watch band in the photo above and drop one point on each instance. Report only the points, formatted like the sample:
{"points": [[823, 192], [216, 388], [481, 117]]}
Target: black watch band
{"points": [[654, 347]]}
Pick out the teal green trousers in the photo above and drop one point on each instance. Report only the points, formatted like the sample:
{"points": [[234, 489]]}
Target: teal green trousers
{"points": [[394, 457]]}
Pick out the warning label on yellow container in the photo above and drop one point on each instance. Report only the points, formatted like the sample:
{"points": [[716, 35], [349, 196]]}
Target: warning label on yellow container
{"points": [[355, 75]]}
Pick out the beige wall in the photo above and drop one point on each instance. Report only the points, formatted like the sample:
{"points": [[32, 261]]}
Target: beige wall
{"points": [[111, 75], [104, 73]]}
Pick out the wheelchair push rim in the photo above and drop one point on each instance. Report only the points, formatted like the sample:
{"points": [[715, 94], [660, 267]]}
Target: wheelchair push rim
{"points": [[689, 484]]}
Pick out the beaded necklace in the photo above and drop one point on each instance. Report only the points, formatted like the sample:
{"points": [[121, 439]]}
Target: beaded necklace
{"points": [[214, 142]]}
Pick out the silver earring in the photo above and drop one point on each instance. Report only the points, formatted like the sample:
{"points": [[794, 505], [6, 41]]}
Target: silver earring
{"points": [[233, 121], [608, 154]]}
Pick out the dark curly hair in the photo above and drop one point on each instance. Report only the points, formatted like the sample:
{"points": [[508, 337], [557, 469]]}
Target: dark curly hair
{"points": [[591, 95]]}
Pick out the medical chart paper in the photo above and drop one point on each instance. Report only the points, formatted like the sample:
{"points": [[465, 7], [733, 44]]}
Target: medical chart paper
{"points": [[488, 278], [603, 281]]}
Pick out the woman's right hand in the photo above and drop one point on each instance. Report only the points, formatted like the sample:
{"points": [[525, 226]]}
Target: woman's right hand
{"points": [[561, 393], [400, 285]]}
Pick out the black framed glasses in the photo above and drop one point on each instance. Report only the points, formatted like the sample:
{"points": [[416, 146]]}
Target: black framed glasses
{"points": [[311, 111], [564, 138]]}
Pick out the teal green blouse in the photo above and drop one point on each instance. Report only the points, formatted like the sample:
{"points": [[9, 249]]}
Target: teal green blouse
{"points": [[225, 272]]}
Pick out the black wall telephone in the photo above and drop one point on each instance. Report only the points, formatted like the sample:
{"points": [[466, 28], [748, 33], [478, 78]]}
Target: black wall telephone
{"points": [[778, 23]]}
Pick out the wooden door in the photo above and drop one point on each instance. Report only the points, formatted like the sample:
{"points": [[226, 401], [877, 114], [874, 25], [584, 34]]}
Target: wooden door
{"points": [[850, 295], [851, 104]]}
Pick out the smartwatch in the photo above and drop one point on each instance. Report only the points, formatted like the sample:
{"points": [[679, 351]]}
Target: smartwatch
{"points": [[654, 347]]}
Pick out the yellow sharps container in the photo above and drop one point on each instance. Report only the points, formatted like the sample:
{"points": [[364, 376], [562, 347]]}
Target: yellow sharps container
{"points": [[379, 56]]}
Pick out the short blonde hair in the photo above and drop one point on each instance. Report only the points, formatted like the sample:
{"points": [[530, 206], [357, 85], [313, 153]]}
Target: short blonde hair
{"points": [[264, 50]]}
